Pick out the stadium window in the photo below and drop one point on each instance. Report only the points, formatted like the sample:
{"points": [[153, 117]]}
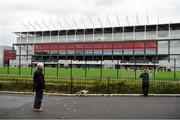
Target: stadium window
{"points": [[128, 29], [62, 32], [118, 30], [175, 26], [108, 30], [163, 27], [151, 28], [139, 29], [162, 47], [54, 33], [174, 47]]}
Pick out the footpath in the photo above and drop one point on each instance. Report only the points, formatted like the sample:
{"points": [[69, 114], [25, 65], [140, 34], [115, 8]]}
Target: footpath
{"points": [[67, 106]]}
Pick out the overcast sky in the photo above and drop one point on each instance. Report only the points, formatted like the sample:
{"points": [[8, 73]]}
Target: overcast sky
{"points": [[14, 12]]}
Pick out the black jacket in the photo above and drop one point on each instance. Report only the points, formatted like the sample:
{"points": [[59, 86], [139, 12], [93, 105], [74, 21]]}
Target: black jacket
{"points": [[145, 78], [38, 80]]}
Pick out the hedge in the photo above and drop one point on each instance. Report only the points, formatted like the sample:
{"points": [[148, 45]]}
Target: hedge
{"points": [[101, 86]]}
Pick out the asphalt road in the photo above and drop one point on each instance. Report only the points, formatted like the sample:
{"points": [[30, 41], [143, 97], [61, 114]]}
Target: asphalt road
{"points": [[16, 106]]}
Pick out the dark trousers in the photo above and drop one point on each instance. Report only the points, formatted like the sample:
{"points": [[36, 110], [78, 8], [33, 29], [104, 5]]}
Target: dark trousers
{"points": [[38, 99], [145, 89]]}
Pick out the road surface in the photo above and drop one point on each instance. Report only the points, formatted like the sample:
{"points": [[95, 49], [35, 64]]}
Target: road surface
{"points": [[18, 106]]}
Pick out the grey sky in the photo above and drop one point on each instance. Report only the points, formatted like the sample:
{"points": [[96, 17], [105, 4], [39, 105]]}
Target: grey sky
{"points": [[12, 12]]}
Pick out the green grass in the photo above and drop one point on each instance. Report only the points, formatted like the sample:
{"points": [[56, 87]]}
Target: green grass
{"points": [[92, 73]]}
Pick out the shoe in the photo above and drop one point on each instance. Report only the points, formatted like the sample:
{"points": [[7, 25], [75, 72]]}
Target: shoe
{"points": [[35, 109], [38, 110]]}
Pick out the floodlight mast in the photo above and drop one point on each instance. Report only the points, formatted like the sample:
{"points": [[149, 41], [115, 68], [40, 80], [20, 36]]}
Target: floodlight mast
{"points": [[25, 26], [84, 29], [75, 24], [93, 27], [147, 17], [27, 37], [157, 25], [112, 28], [67, 36], [169, 29], [55, 28], [102, 37], [134, 27], [119, 23], [109, 21], [170, 22], [128, 23], [59, 30], [67, 29], [50, 31], [84, 44], [137, 19], [41, 29], [75, 29], [53, 25], [112, 35], [118, 20], [147, 24], [127, 19], [93, 34], [20, 47], [35, 30], [20, 30], [59, 24], [47, 28], [27, 31]]}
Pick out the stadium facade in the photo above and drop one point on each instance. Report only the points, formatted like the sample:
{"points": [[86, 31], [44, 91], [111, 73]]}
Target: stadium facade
{"points": [[145, 45]]}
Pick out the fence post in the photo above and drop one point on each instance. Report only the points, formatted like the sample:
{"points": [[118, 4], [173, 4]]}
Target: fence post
{"points": [[108, 86], [44, 67], [101, 69], [71, 69], [154, 70], [97, 85], [118, 69], [71, 89], [174, 69], [57, 69], [135, 69], [19, 59], [31, 65], [85, 68], [8, 68]]}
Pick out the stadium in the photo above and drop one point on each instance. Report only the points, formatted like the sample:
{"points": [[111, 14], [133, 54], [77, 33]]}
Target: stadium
{"points": [[155, 46], [107, 57]]}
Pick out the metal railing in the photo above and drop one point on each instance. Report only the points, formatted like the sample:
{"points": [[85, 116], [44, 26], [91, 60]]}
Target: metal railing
{"points": [[117, 69], [72, 85], [72, 78]]}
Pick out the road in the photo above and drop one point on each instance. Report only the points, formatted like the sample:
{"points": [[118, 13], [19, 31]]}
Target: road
{"points": [[19, 106]]}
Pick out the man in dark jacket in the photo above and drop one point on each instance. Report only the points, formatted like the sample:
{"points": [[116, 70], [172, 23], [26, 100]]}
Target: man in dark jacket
{"points": [[145, 82], [38, 87]]}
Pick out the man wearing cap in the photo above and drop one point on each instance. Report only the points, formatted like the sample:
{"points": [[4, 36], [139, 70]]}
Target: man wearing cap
{"points": [[145, 82], [38, 87]]}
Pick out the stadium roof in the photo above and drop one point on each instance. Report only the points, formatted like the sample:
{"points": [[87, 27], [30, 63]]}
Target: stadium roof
{"points": [[95, 22], [128, 28]]}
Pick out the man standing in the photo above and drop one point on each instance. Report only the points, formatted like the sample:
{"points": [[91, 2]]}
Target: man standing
{"points": [[38, 87], [145, 82]]}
